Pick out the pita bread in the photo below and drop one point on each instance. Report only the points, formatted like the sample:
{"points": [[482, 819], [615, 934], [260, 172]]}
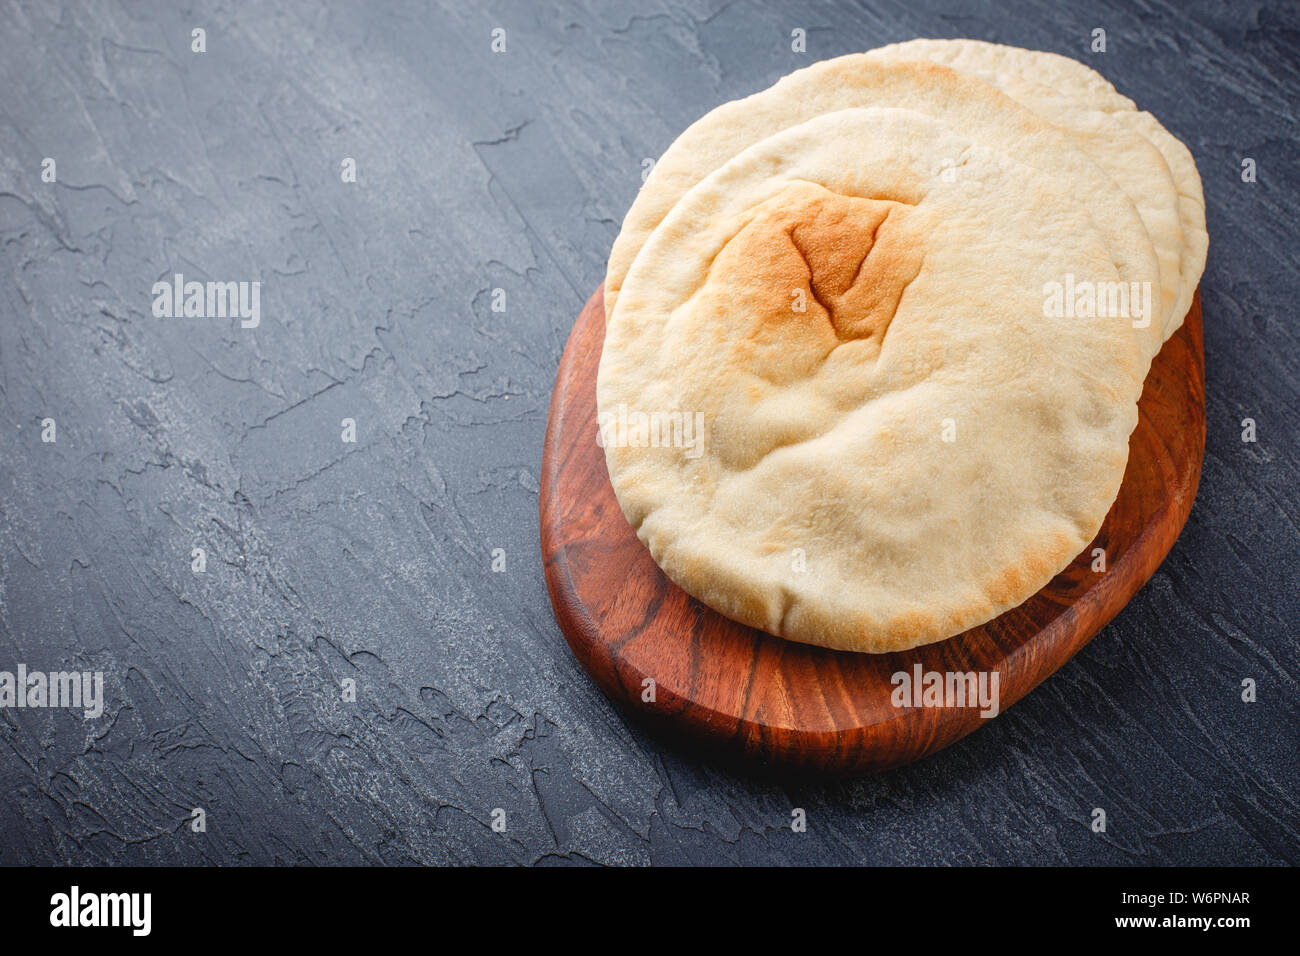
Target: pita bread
{"points": [[920, 448]]}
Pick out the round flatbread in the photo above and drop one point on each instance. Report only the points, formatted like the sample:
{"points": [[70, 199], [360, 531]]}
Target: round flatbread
{"points": [[833, 401]]}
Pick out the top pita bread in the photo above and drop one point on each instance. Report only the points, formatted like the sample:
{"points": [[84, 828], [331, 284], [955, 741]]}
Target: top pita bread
{"points": [[842, 278]]}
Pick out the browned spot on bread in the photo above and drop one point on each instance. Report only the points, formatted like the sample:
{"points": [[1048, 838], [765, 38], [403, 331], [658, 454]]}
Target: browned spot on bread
{"points": [[850, 254]]}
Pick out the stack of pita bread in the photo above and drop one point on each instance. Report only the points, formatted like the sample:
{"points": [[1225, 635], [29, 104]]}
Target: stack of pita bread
{"points": [[912, 296]]}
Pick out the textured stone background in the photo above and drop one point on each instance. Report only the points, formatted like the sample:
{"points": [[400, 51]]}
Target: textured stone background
{"points": [[372, 561]]}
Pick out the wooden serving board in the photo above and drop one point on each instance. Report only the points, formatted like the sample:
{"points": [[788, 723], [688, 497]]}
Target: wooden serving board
{"points": [[780, 702]]}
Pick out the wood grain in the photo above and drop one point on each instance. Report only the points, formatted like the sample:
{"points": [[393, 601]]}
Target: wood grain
{"points": [[830, 711]]}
